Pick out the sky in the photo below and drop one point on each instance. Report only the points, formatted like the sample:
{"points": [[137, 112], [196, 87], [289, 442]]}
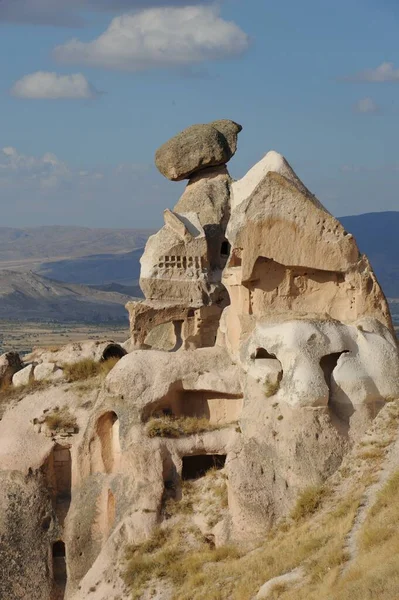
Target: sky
{"points": [[89, 89]]}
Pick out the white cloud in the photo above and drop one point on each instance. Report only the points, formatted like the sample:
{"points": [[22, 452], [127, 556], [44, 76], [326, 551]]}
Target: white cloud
{"points": [[19, 169], [386, 72], [366, 106], [51, 86], [44, 190], [159, 38]]}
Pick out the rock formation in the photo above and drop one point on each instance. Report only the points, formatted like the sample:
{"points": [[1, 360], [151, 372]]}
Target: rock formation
{"points": [[181, 268], [261, 319]]}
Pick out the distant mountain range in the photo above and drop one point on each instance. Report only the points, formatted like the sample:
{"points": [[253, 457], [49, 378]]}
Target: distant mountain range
{"points": [[99, 269], [30, 297], [377, 235], [58, 242], [77, 273]]}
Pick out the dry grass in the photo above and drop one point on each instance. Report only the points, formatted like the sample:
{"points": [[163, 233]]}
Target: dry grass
{"points": [[308, 502], [315, 541], [315, 538], [173, 555], [375, 572], [176, 427], [61, 419], [88, 368]]}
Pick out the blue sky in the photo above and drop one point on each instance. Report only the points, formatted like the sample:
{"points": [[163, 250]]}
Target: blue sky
{"points": [[87, 96]]}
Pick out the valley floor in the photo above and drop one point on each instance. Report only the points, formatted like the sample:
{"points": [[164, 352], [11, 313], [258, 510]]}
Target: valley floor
{"points": [[22, 336]]}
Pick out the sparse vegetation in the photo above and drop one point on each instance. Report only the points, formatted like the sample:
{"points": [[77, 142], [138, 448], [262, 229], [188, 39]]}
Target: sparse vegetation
{"points": [[315, 538], [88, 368], [271, 388], [174, 555], [60, 419], [308, 502], [175, 427]]}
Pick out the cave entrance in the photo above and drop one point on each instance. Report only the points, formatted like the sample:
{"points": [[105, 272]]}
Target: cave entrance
{"points": [[113, 351], [108, 433], [59, 570], [58, 473], [197, 465], [328, 364], [261, 353], [178, 329], [225, 249]]}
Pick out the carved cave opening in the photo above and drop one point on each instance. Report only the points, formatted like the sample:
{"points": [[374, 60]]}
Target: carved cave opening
{"points": [[113, 351], [108, 437], [58, 474], [262, 353], [328, 363], [59, 570], [197, 465], [225, 249]]}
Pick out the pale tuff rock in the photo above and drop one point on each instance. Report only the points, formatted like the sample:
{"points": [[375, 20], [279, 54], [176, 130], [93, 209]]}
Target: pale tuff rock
{"points": [[261, 319], [23, 377], [47, 371], [272, 162], [10, 363], [75, 352], [196, 148], [181, 268]]}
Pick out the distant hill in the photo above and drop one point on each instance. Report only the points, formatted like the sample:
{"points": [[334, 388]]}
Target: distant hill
{"points": [[98, 269], [30, 297], [57, 242], [107, 260], [377, 235]]}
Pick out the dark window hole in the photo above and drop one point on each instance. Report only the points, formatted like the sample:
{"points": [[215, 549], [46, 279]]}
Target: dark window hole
{"points": [[197, 466], [113, 351], [225, 249], [59, 568], [262, 353]]}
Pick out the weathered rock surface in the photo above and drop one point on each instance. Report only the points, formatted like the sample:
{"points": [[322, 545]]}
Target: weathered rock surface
{"points": [[10, 363], [196, 148], [75, 352], [44, 371], [271, 330], [24, 376]]}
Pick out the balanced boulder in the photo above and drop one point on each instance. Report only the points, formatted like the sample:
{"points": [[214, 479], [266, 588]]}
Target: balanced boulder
{"points": [[197, 147]]}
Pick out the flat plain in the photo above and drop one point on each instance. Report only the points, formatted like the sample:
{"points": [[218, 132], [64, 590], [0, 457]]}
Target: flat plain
{"points": [[23, 336]]}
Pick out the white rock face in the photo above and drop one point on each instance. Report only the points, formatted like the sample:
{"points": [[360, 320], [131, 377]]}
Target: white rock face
{"points": [[23, 377], [44, 371], [77, 351], [272, 161], [326, 362]]}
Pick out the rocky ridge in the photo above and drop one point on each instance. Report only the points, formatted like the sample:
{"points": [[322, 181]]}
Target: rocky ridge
{"points": [[261, 356]]}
